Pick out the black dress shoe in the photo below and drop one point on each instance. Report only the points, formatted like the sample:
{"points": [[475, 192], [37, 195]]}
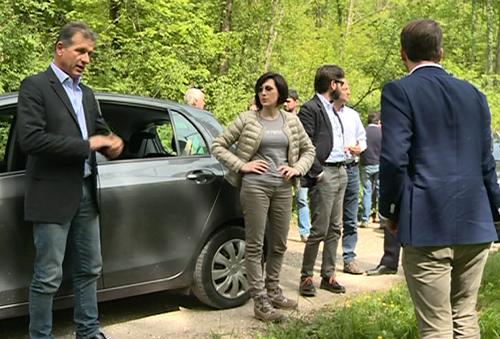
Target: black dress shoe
{"points": [[99, 335], [331, 285], [382, 269]]}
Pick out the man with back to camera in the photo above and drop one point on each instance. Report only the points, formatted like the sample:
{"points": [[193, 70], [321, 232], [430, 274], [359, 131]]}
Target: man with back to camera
{"points": [[438, 186], [60, 128], [326, 180], [303, 212], [355, 143]]}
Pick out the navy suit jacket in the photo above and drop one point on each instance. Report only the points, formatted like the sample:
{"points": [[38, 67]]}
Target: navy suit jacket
{"points": [[437, 172], [49, 133]]}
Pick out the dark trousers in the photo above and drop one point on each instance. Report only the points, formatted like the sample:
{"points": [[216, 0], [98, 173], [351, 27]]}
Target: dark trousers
{"points": [[392, 250]]}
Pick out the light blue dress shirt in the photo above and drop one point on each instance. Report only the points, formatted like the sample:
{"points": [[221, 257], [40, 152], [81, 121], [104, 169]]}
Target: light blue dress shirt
{"points": [[75, 95]]}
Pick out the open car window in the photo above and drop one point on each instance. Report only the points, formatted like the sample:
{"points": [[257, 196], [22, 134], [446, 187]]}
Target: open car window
{"points": [[11, 157], [152, 133]]}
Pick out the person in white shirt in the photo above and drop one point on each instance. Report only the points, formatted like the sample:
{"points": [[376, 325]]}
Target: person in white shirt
{"points": [[354, 144]]}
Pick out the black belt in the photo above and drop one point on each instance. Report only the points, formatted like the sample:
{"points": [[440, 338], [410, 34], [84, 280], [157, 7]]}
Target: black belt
{"points": [[335, 164], [351, 164]]}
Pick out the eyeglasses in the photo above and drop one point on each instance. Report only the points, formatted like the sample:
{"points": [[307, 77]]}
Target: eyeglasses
{"points": [[341, 82]]}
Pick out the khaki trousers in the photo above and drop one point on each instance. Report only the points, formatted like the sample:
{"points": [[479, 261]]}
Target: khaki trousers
{"points": [[265, 204], [326, 200], [443, 284]]}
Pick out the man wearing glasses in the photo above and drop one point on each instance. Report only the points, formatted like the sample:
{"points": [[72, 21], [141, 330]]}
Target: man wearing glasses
{"points": [[326, 180]]}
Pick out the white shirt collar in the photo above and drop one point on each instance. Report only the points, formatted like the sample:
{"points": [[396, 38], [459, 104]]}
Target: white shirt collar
{"points": [[426, 65]]}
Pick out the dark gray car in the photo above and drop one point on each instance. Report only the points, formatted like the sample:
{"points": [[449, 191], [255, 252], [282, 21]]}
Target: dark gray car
{"points": [[169, 220]]}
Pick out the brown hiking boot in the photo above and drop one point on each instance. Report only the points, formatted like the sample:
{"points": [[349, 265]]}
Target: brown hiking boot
{"points": [[278, 300], [264, 311], [352, 268]]}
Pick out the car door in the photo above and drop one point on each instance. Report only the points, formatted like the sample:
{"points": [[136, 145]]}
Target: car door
{"points": [[16, 239], [156, 201]]}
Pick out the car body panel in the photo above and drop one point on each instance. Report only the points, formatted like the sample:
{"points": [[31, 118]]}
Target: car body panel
{"points": [[156, 213]]}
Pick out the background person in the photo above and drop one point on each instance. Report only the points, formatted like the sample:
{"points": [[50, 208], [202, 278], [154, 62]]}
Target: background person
{"points": [[438, 186], [60, 127], [303, 212], [272, 149], [369, 161], [195, 97], [355, 143], [326, 180]]}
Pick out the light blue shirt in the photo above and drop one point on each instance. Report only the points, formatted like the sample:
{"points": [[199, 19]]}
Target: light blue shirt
{"points": [[337, 153], [75, 95]]}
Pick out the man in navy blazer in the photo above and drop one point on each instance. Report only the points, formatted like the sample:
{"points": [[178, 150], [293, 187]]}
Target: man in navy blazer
{"points": [[438, 186], [60, 128]]}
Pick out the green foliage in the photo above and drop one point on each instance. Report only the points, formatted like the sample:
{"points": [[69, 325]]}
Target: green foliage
{"points": [[388, 315], [160, 48]]}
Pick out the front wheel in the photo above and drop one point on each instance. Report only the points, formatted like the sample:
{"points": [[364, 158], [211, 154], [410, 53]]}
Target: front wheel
{"points": [[220, 278]]}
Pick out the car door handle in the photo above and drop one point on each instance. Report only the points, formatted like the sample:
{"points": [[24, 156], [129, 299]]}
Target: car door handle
{"points": [[201, 176]]}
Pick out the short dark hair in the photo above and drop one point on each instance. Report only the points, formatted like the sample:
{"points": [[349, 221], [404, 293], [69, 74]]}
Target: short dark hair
{"points": [[422, 40], [293, 94], [281, 85], [325, 75], [70, 29], [373, 118]]}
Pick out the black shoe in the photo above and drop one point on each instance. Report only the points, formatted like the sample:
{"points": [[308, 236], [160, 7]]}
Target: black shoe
{"points": [[331, 285], [306, 287], [99, 335], [382, 269]]}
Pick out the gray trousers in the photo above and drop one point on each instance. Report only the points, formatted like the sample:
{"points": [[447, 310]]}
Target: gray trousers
{"points": [[325, 201], [444, 282], [265, 204]]}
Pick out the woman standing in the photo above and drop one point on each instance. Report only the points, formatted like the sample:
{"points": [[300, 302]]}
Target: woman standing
{"points": [[272, 151]]}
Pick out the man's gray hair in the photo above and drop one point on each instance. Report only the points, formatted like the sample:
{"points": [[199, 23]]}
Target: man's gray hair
{"points": [[192, 95], [70, 29]]}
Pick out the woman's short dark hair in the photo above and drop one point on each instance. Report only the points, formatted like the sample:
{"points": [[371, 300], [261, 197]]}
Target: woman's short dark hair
{"points": [[280, 83], [422, 40], [325, 75], [70, 29]]}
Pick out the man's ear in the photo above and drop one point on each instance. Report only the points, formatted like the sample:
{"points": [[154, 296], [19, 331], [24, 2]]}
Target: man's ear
{"points": [[403, 54], [59, 48], [441, 54]]}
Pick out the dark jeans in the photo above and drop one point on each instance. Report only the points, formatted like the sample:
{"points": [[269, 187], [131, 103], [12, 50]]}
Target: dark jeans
{"points": [[50, 244], [350, 215]]}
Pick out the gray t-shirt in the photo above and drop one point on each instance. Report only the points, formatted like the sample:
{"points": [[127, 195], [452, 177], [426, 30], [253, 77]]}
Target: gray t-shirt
{"points": [[274, 150]]}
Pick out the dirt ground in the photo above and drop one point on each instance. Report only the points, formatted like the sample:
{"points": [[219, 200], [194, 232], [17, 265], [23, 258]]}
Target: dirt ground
{"points": [[199, 322], [168, 315]]}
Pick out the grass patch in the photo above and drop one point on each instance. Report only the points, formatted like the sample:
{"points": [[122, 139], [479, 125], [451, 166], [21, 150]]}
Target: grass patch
{"points": [[387, 315]]}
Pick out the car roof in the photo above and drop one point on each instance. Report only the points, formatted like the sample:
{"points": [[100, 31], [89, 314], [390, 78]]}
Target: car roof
{"points": [[202, 116]]}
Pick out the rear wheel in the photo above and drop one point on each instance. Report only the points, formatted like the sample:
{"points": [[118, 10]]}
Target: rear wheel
{"points": [[220, 279]]}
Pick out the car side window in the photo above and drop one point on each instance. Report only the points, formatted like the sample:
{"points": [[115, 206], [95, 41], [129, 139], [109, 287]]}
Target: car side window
{"points": [[11, 157], [188, 140], [152, 141], [4, 137]]}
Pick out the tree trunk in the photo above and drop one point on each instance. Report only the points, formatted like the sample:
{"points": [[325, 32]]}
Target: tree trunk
{"points": [[225, 27], [277, 16], [497, 66], [490, 29], [348, 25], [472, 57], [114, 11]]}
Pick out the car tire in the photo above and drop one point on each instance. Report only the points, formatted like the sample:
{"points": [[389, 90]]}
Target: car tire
{"points": [[219, 278]]}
